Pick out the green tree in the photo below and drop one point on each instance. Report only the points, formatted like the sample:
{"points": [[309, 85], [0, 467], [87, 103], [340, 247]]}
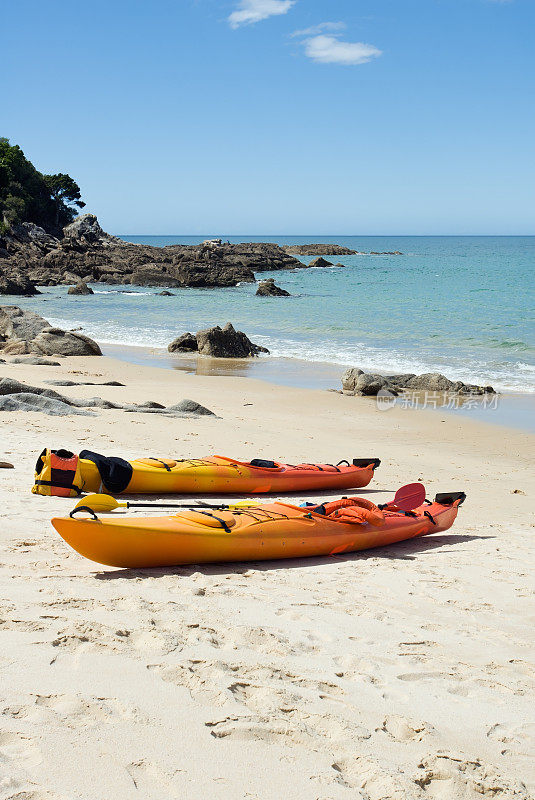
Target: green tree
{"points": [[65, 194], [26, 195]]}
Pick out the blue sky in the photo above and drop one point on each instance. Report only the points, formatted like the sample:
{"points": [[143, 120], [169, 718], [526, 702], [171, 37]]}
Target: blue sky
{"points": [[273, 116]]}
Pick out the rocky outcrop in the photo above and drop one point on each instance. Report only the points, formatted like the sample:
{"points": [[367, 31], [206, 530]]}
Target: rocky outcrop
{"points": [[319, 250], [218, 343], [191, 407], [57, 342], [13, 282], [20, 325], [268, 288], [187, 343], [356, 382], [384, 253], [320, 262], [26, 332], [35, 361], [87, 253], [32, 402], [333, 250], [17, 396], [85, 228], [80, 288], [359, 382]]}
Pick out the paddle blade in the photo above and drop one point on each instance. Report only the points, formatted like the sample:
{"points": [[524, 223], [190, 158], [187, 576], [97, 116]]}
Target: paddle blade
{"points": [[99, 502], [409, 497]]}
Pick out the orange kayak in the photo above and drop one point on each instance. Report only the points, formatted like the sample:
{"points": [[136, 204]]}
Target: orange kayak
{"points": [[268, 531], [60, 472]]}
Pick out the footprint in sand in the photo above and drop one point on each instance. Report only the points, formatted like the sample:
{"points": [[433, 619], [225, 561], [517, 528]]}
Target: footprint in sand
{"points": [[77, 712], [264, 699], [150, 780], [209, 680], [443, 776], [19, 748], [402, 730], [375, 781], [519, 739], [198, 677], [83, 636], [22, 625], [294, 726]]}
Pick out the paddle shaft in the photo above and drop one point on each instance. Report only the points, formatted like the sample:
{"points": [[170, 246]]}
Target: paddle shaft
{"points": [[171, 505]]}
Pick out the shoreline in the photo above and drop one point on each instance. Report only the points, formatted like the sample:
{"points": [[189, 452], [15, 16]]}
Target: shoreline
{"points": [[506, 409]]}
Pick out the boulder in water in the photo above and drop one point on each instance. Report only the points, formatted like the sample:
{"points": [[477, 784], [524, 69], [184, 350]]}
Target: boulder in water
{"points": [[321, 262], [80, 288], [268, 288], [226, 342]]}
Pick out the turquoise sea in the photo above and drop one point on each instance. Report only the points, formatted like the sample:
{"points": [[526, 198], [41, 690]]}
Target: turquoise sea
{"points": [[458, 305]]}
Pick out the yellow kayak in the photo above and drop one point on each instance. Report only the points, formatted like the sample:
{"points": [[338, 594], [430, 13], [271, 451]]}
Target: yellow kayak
{"points": [[267, 531], [60, 472]]}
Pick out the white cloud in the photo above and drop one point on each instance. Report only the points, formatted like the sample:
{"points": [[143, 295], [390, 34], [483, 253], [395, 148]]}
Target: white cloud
{"points": [[251, 11], [330, 50], [323, 26]]}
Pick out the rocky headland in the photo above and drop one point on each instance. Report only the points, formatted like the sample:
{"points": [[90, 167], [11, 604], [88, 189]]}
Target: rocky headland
{"points": [[86, 254], [332, 250]]}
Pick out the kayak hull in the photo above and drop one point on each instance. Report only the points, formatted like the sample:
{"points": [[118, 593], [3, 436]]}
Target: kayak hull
{"points": [[270, 531]]}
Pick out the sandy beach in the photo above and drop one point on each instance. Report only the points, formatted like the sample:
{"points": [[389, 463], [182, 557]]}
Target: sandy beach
{"points": [[405, 672]]}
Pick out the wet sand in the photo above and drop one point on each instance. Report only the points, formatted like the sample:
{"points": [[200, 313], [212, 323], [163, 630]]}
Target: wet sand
{"points": [[510, 409]]}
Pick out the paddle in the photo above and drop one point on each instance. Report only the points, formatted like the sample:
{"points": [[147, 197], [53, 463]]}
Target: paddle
{"points": [[408, 497], [103, 502]]}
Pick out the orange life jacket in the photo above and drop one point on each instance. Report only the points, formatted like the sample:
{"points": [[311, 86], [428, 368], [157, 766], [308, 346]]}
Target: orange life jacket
{"points": [[354, 510]]}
